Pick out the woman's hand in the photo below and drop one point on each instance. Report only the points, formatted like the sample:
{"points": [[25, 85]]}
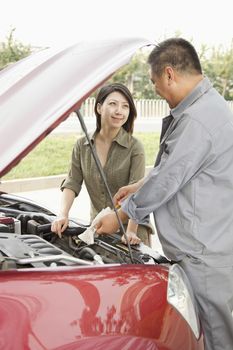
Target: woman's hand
{"points": [[132, 238], [59, 225]]}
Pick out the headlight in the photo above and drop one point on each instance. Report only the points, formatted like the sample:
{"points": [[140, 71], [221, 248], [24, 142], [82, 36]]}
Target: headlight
{"points": [[180, 295]]}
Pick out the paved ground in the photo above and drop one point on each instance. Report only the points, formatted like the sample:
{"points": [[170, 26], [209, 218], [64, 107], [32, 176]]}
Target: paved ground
{"points": [[50, 198]]}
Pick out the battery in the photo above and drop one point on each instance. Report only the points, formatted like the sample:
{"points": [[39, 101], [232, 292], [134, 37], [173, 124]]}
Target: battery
{"points": [[9, 222], [14, 225]]}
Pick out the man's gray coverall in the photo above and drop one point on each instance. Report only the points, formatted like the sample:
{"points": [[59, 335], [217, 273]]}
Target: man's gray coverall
{"points": [[190, 193]]}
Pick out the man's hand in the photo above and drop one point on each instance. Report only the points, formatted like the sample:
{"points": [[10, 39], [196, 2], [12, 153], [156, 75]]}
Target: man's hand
{"points": [[108, 224], [125, 191], [59, 225]]}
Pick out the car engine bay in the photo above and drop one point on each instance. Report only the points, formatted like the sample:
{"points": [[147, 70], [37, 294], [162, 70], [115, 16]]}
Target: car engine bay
{"points": [[26, 241]]}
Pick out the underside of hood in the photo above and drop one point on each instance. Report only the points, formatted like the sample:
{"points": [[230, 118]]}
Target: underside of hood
{"points": [[40, 91]]}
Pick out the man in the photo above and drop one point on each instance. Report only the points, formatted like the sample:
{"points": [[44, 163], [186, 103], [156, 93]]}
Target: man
{"points": [[190, 189]]}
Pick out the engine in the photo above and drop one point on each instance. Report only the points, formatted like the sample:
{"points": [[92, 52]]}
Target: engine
{"points": [[26, 241]]}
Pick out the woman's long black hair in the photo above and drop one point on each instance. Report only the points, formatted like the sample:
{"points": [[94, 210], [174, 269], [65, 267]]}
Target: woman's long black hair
{"points": [[104, 92]]}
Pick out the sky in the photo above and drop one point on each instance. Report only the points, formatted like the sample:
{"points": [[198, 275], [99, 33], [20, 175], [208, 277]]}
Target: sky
{"points": [[54, 23]]}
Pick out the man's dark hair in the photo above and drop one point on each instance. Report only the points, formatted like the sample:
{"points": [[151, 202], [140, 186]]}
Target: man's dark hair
{"points": [[107, 90], [177, 53]]}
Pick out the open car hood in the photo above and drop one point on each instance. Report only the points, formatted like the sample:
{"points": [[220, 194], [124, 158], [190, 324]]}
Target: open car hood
{"points": [[40, 91]]}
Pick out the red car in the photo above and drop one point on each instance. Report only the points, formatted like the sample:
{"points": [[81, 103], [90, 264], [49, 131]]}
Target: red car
{"points": [[62, 293]]}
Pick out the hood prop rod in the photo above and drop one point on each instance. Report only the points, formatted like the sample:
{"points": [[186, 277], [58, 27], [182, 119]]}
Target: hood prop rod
{"points": [[99, 166]]}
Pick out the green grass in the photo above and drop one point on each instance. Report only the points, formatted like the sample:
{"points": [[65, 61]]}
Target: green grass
{"points": [[52, 155]]}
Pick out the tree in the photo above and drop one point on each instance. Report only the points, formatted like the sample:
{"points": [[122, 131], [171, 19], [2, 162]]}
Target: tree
{"points": [[135, 77], [218, 66], [12, 50]]}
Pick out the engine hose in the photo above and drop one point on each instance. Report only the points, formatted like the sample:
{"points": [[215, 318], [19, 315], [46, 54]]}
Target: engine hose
{"points": [[87, 253]]}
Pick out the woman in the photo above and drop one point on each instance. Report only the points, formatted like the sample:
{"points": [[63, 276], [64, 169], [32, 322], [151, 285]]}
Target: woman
{"points": [[121, 156]]}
